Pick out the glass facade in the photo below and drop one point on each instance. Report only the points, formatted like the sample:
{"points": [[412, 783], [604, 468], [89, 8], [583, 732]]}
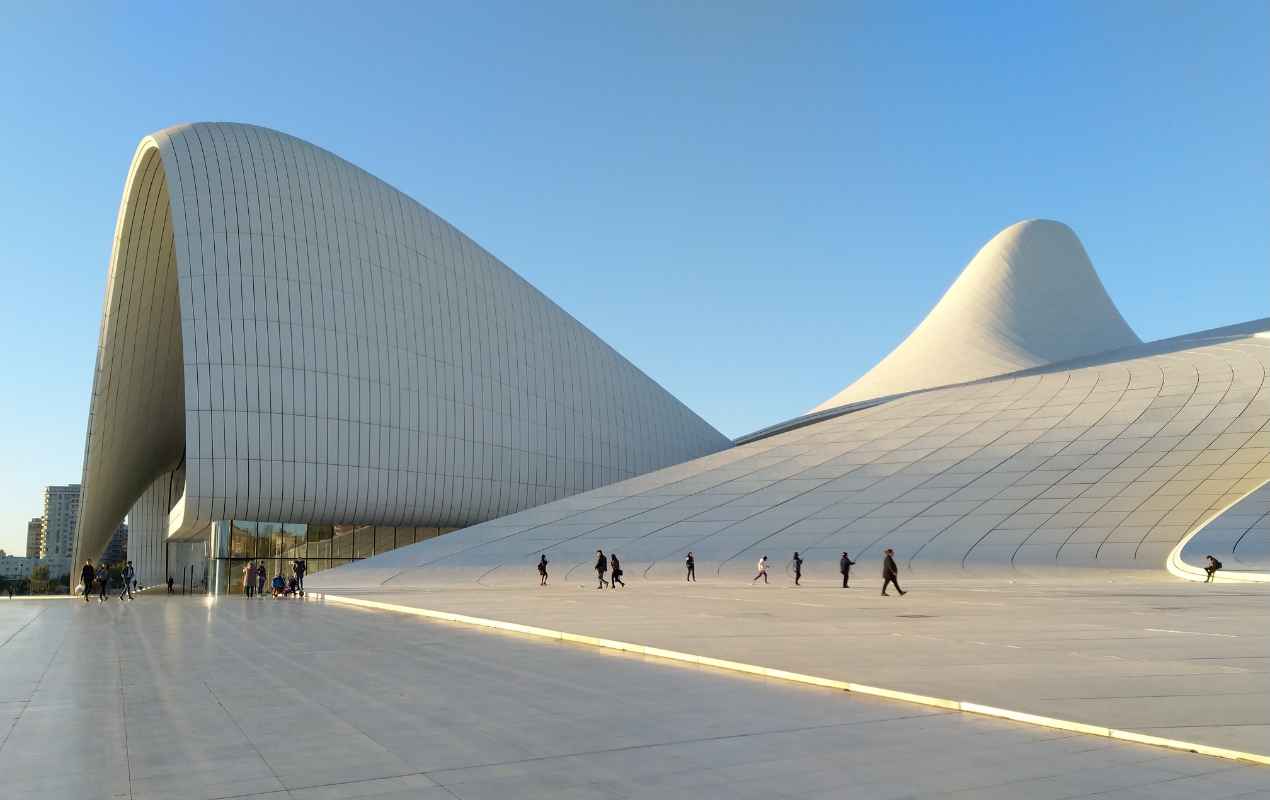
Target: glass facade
{"points": [[277, 544]]}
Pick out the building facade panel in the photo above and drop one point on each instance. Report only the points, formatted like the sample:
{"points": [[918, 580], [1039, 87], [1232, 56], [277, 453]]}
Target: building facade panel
{"points": [[15, 568], [34, 537]]}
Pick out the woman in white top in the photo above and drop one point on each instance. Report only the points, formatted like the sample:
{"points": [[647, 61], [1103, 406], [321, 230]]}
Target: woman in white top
{"points": [[762, 570]]}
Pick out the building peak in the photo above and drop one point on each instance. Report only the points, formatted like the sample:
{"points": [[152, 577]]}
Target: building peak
{"points": [[1028, 298]]}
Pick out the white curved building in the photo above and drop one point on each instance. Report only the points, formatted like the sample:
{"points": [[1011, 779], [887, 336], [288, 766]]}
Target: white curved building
{"points": [[287, 338], [1028, 298], [1023, 428]]}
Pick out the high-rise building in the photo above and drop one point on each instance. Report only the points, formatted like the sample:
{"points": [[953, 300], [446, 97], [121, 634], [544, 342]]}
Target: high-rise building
{"points": [[34, 537], [117, 550], [61, 515]]}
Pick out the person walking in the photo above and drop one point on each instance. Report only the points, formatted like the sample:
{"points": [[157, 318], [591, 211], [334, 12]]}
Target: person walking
{"points": [[298, 568], [1211, 568], [542, 570], [103, 582], [128, 574], [249, 579], [798, 569], [844, 566], [170, 583], [86, 576], [890, 573], [762, 571], [691, 564], [261, 579], [615, 567], [601, 567]]}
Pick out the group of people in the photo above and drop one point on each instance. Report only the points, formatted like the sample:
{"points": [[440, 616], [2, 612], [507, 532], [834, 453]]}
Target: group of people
{"points": [[890, 570], [256, 575], [611, 566], [98, 580]]}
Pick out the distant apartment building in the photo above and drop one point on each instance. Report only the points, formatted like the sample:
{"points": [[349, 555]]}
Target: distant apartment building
{"points": [[16, 567], [34, 537], [61, 515], [117, 550]]}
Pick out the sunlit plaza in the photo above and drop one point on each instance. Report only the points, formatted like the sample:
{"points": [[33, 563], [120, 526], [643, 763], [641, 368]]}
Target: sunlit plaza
{"points": [[200, 697], [669, 401]]}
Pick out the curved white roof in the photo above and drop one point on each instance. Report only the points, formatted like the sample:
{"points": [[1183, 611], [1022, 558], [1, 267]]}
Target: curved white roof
{"points": [[1108, 461], [288, 338], [1029, 298]]}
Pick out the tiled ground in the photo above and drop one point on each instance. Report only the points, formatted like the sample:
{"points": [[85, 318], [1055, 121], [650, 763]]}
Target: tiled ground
{"points": [[1161, 656], [177, 698]]}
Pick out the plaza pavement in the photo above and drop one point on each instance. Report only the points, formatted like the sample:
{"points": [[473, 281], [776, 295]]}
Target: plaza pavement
{"points": [[1147, 654], [181, 697]]}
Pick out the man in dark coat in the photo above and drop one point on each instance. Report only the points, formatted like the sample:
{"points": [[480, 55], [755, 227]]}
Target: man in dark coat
{"points": [[601, 567], [691, 564], [844, 566], [128, 574], [890, 573], [86, 576], [798, 568], [103, 582]]}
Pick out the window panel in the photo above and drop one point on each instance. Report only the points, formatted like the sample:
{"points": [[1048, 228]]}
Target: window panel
{"points": [[364, 544], [385, 539]]}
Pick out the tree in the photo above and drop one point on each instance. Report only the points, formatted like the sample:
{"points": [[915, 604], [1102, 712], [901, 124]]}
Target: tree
{"points": [[40, 579]]}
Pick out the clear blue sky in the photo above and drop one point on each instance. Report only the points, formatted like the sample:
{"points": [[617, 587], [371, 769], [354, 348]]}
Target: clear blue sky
{"points": [[752, 202]]}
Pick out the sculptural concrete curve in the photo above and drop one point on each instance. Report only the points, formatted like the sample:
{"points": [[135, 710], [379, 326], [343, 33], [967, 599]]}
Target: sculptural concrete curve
{"points": [[1028, 298], [287, 337], [1110, 458]]}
